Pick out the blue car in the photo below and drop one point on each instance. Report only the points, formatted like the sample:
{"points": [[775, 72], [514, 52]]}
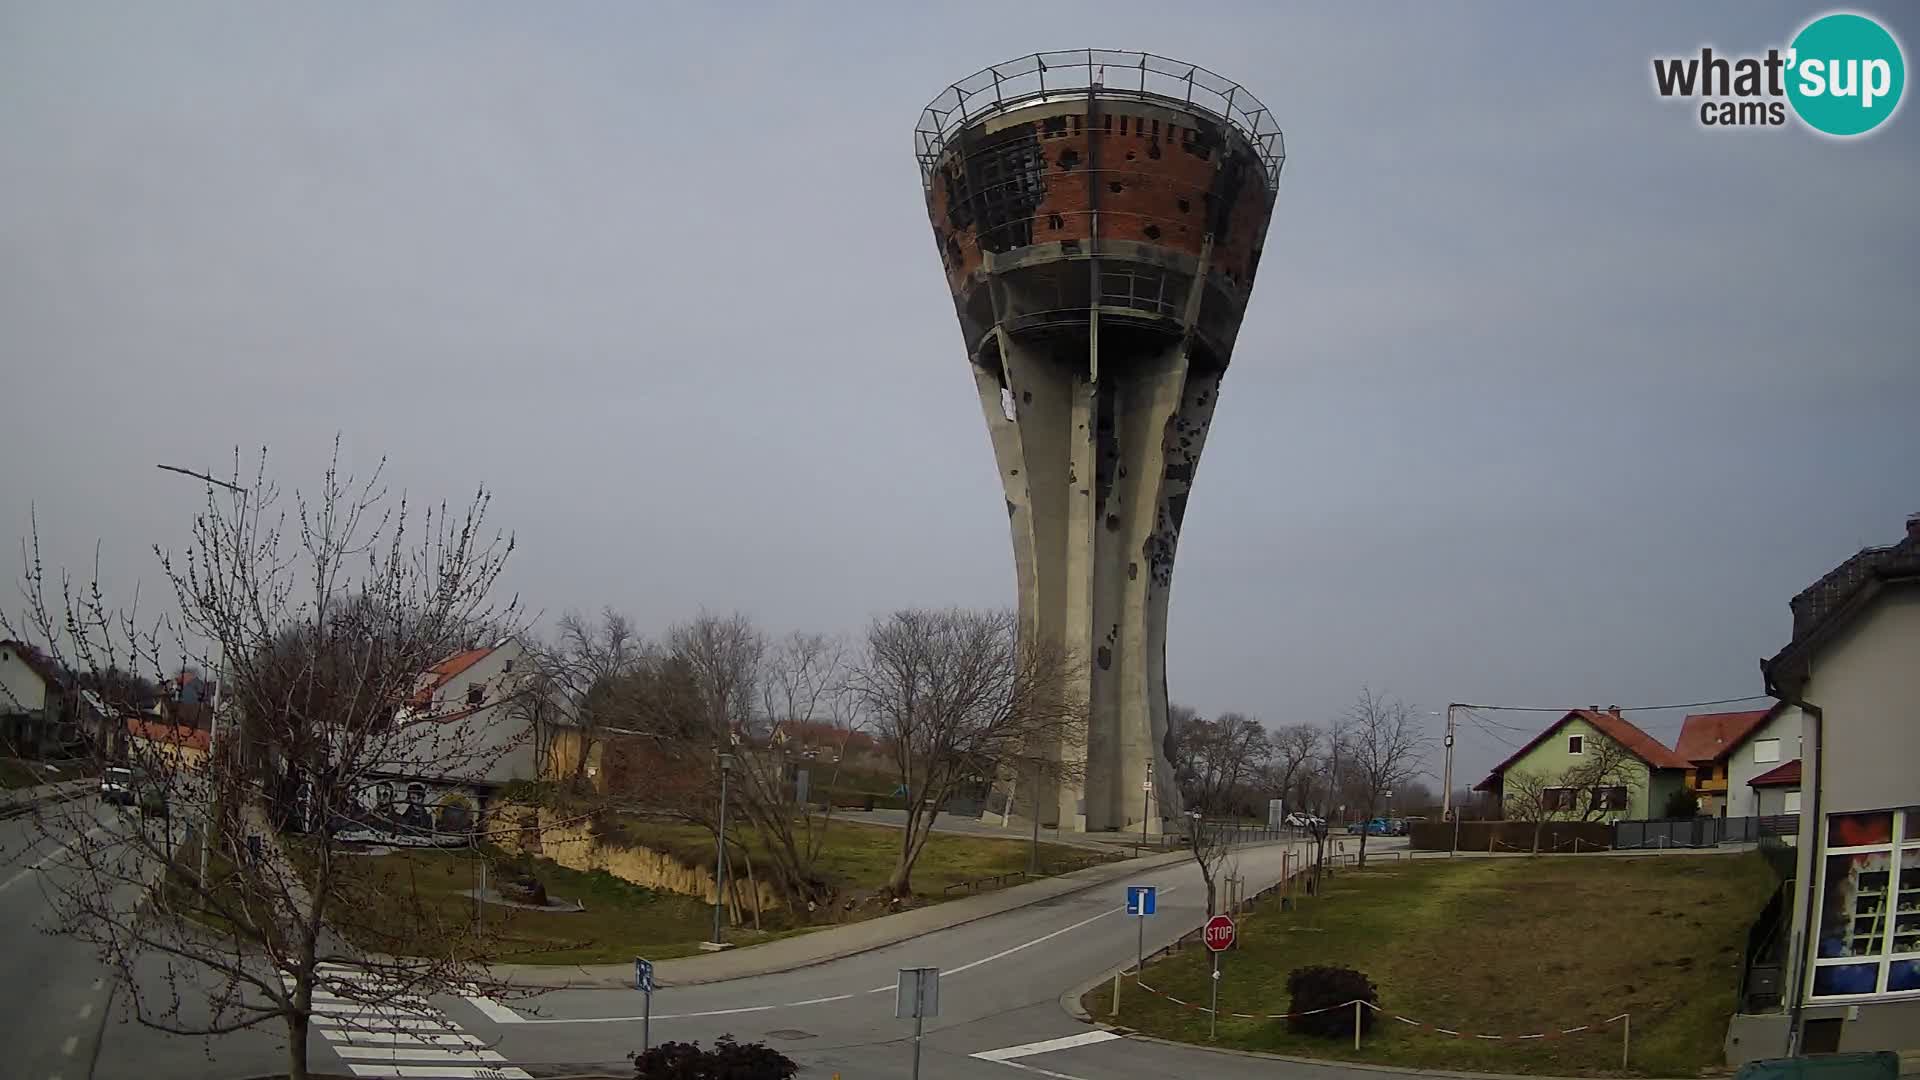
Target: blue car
{"points": [[1376, 827]]}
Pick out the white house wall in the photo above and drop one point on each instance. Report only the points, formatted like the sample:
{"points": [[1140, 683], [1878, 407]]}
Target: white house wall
{"points": [[21, 688], [497, 735], [1741, 768], [1865, 682]]}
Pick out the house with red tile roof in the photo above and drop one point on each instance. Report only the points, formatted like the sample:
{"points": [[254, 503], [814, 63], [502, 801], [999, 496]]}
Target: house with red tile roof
{"points": [[35, 704], [468, 733], [1710, 741], [1646, 772]]}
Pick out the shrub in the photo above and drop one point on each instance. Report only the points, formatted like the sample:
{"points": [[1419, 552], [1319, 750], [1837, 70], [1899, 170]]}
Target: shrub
{"points": [[1682, 803], [1312, 989], [728, 1060]]}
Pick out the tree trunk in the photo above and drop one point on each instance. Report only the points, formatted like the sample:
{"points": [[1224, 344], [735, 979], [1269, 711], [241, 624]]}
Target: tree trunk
{"points": [[1365, 831], [1211, 910], [297, 1045]]}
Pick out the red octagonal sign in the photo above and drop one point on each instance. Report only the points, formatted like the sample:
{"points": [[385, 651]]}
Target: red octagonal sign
{"points": [[1219, 935]]}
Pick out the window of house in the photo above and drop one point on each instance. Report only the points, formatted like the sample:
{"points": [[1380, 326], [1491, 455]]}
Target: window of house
{"points": [[1560, 798], [1765, 750], [1703, 774], [1868, 932], [1792, 803], [476, 695], [1576, 744]]}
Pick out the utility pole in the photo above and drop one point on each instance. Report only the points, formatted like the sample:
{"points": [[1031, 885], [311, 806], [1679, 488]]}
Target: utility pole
{"points": [[720, 850], [1446, 795]]}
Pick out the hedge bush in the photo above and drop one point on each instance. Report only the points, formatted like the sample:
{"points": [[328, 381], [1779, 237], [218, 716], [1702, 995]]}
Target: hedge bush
{"points": [[728, 1060], [1312, 989]]}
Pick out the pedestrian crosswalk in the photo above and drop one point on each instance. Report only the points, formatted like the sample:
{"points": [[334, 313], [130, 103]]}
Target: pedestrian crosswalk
{"points": [[377, 1031]]}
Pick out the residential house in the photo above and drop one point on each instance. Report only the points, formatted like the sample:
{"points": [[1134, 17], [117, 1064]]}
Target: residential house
{"points": [[1852, 669], [1768, 747], [1776, 792], [473, 733], [164, 745], [35, 714], [1717, 745], [1646, 776]]}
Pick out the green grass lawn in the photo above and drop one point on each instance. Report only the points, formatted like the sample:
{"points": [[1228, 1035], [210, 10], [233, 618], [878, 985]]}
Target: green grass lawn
{"points": [[861, 857], [425, 901], [1492, 946]]}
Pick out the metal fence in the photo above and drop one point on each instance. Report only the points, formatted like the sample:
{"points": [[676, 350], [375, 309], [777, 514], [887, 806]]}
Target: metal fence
{"points": [[1037, 76], [1700, 832]]}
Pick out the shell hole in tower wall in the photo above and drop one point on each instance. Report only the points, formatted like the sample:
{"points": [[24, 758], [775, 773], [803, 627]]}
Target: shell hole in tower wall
{"points": [[1152, 232], [1114, 187], [1068, 160]]}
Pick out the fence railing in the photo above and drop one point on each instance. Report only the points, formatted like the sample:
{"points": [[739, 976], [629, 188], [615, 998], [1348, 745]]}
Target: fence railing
{"points": [[1700, 832], [1040, 76]]}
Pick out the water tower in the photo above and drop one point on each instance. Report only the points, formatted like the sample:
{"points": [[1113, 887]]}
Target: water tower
{"points": [[1100, 216]]}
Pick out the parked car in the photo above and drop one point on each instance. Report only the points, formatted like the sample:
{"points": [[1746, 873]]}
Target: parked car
{"points": [[116, 787], [1376, 827]]}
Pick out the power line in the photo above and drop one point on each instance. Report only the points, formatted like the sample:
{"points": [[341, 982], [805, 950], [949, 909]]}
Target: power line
{"points": [[1636, 708]]}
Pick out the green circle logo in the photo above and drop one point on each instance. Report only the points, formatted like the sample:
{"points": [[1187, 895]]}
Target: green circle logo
{"points": [[1846, 74]]}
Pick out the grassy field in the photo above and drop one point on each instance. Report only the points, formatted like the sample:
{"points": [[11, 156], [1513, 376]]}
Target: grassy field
{"points": [[861, 857], [429, 893], [1492, 946]]}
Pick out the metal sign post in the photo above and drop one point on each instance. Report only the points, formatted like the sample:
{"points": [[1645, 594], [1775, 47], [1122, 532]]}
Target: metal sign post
{"points": [[1218, 936], [917, 996], [643, 982], [1140, 903]]}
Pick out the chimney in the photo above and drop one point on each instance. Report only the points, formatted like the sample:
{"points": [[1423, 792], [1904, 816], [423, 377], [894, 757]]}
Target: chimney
{"points": [[1913, 528], [1614, 709]]}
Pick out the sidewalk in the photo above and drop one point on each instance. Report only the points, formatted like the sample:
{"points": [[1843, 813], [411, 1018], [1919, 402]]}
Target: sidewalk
{"points": [[835, 943]]}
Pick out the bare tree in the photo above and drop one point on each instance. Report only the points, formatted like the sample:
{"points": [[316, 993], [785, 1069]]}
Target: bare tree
{"points": [[1215, 760], [1210, 845], [1603, 781], [1384, 743], [1293, 750], [591, 665], [954, 695], [319, 623]]}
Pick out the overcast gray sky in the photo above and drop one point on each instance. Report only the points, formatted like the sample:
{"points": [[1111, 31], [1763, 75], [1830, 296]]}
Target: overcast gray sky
{"points": [[1545, 395]]}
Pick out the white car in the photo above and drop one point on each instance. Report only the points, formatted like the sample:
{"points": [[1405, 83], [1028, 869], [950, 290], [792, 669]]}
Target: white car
{"points": [[1304, 821], [116, 787]]}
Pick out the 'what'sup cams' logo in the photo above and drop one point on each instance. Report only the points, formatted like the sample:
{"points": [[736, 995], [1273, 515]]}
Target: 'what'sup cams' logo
{"points": [[1842, 75]]}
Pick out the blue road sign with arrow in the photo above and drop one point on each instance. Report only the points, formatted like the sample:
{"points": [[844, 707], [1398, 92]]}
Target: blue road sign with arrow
{"points": [[1140, 899], [643, 975]]}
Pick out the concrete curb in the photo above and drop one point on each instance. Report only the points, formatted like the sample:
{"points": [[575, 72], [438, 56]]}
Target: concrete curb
{"points": [[619, 976]]}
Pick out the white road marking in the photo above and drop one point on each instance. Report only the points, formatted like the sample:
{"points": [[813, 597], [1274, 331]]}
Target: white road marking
{"points": [[492, 1009], [385, 1024], [50, 856], [516, 1018], [442, 1071], [1037, 1069], [406, 1038], [67, 1048], [86, 1010], [1048, 1046], [401, 1053]]}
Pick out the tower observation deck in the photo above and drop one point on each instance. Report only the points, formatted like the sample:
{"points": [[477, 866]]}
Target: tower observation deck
{"points": [[1100, 216]]}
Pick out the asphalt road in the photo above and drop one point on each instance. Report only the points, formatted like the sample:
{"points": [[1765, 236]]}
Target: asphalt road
{"points": [[1002, 978], [53, 992]]}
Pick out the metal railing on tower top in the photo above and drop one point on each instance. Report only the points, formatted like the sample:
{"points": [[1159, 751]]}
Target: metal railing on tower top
{"points": [[1041, 76]]}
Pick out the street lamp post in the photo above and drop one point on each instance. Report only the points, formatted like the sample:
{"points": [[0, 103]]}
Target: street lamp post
{"points": [[219, 694], [1146, 801], [720, 850]]}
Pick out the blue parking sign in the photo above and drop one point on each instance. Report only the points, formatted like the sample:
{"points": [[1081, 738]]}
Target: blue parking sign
{"points": [[1140, 899]]}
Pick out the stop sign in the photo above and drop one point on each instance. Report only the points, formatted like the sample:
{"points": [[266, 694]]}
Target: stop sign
{"points": [[1219, 934]]}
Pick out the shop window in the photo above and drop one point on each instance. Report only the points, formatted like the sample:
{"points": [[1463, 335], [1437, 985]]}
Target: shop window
{"points": [[1867, 939]]}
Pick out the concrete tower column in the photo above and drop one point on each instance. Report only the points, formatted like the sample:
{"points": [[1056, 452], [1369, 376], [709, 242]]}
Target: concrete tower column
{"points": [[1100, 217]]}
